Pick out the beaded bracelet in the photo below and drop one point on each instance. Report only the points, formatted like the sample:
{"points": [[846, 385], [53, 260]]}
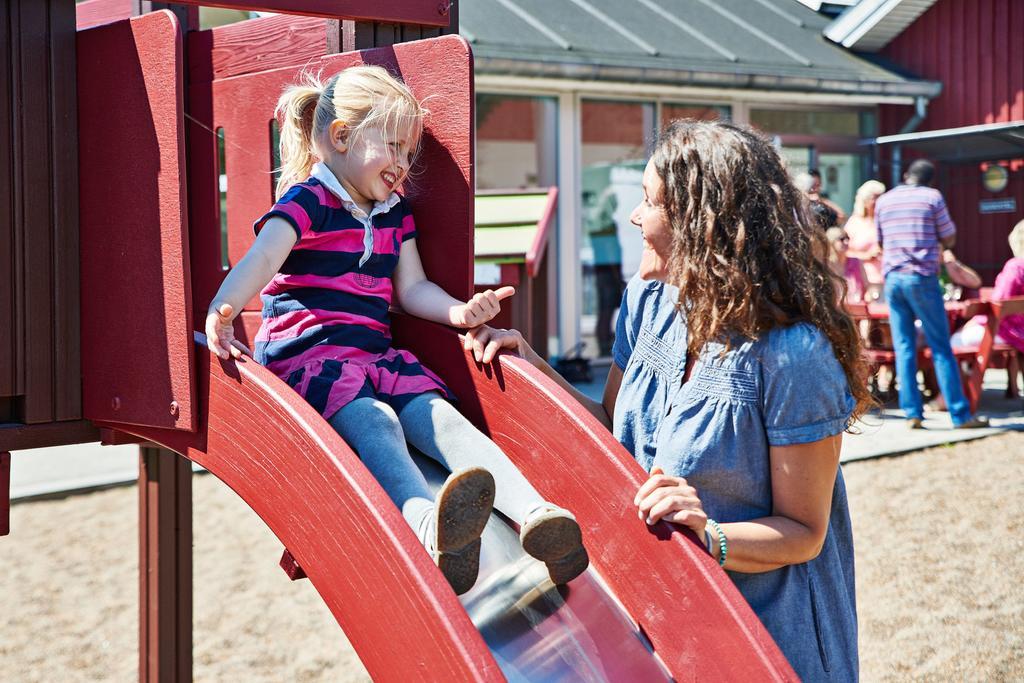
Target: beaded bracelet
{"points": [[723, 543]]}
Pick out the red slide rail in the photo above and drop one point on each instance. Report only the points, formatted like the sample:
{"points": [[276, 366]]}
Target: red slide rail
{"points": [[282, 458]]}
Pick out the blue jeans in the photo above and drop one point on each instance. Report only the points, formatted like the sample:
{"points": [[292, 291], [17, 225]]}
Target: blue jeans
{"points": [[919, 297]]}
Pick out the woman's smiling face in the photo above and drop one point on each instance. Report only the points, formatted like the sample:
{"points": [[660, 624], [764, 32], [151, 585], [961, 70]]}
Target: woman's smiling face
{"points": [[652, 219]]}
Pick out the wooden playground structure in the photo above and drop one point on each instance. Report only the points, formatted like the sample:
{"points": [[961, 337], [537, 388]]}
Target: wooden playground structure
{"points": [[119, 239]]}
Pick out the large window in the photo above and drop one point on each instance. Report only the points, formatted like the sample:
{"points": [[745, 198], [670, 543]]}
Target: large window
{"points": [[826, 140], [516, 142], [616, 141]]}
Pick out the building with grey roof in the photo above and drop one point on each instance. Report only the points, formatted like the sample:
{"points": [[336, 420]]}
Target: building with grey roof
{"points": [[573, 92]]}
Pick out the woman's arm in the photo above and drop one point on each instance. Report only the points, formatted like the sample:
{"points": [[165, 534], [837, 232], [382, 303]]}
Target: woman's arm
{"points": [[485, 342], [959, 273], [803, 477], [420, 297], [264, 258]]}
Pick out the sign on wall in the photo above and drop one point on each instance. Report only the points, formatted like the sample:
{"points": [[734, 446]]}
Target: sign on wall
{"points": [[1001, 205]]}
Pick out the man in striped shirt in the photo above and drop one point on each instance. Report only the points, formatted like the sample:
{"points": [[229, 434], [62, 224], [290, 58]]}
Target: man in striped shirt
{"points": [[913, 227]]}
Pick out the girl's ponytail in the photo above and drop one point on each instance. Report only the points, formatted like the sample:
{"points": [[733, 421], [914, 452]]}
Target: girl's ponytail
{"points": [[295, 111]]}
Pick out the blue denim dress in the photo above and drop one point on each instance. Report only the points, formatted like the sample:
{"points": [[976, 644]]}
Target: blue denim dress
{"points": [[784, 388]]}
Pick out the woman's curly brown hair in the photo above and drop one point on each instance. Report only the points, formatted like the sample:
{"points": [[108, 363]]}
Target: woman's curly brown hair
{"points": [[746, 255]]}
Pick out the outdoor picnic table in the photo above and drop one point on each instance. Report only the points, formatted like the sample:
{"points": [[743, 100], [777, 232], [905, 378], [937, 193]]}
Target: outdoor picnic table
{"points": [[956, 311]]}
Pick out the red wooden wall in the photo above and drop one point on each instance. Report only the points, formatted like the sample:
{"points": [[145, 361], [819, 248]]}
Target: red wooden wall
{"points": [[975, 49], [39, 373]]}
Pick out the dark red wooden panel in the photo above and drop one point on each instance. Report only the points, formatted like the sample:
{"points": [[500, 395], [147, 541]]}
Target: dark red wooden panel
{"points": [[438, 70], [16, 437], [5, 493], [32, 215], [266, 443], [136, 315], [165, 566], [698, 622], [7, 189], [67, 394], [430, 12]]}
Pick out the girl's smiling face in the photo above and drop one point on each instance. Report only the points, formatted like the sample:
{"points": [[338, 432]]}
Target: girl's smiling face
{"points": [[375, 164], [652, 219]]}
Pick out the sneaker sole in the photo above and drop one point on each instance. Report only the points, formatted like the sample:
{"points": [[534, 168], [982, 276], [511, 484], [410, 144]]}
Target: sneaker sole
{"points": [[463, 507], [555, 539]]}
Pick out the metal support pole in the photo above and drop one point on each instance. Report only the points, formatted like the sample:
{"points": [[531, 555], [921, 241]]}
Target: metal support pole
{"points": [[165, 566], [897, 165]]}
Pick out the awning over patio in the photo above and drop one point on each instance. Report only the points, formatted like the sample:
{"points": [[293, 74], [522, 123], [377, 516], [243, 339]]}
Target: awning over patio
{"points": [[969, 144]]}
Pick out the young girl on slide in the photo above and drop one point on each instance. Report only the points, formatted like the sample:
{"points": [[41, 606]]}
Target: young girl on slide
{"points": [[330, 256]]}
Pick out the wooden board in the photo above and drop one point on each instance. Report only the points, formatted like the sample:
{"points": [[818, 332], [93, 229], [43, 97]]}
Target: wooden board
{"points": [[137, 364], [515, 226], [5, 493], [428, 12], [264, 441]]}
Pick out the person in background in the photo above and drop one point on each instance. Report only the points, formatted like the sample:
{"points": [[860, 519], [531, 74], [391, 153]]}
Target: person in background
{"points": [[844, 265], [810, 184], [1009, 283], [823, 214], [863, 233], [913, 226], [599, 218]]}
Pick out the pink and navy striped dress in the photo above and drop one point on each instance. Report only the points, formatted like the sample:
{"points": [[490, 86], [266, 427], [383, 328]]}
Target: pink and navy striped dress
{"points": [[326, 329]]}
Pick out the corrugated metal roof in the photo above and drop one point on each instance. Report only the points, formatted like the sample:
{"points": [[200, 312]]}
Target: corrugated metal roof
{"points": [[870, 25], [726, 43]]}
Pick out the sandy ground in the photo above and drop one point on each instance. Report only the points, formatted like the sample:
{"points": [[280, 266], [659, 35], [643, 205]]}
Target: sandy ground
{"points": [[940, 577]]}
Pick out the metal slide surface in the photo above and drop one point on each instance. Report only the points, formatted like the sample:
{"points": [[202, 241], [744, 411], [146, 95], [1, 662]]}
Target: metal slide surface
{"points": [[539, 632]]}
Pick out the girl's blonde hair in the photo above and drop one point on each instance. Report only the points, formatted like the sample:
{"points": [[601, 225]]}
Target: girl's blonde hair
{"points": [[1016, 240], [361, 97], [868, 189]]}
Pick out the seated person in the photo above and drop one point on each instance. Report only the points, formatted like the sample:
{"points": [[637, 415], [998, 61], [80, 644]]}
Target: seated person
{"points": [[849, 268], [1009, 283]]}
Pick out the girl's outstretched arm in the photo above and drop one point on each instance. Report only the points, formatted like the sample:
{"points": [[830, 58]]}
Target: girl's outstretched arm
{"points": [[420, 297], [247, 277]]}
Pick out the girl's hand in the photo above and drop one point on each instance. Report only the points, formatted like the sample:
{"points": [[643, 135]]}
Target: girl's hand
{"points": [[485, 342], [220, 333], [671, 499], [481, 308]]}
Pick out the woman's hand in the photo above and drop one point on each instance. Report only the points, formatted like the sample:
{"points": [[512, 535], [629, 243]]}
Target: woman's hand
{"points": [[481, 308], [671, 499], [220, 333], [485, 342]]}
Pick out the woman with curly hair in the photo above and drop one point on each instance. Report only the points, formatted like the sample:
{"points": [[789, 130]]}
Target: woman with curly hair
{"points": [[735, 375]]}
